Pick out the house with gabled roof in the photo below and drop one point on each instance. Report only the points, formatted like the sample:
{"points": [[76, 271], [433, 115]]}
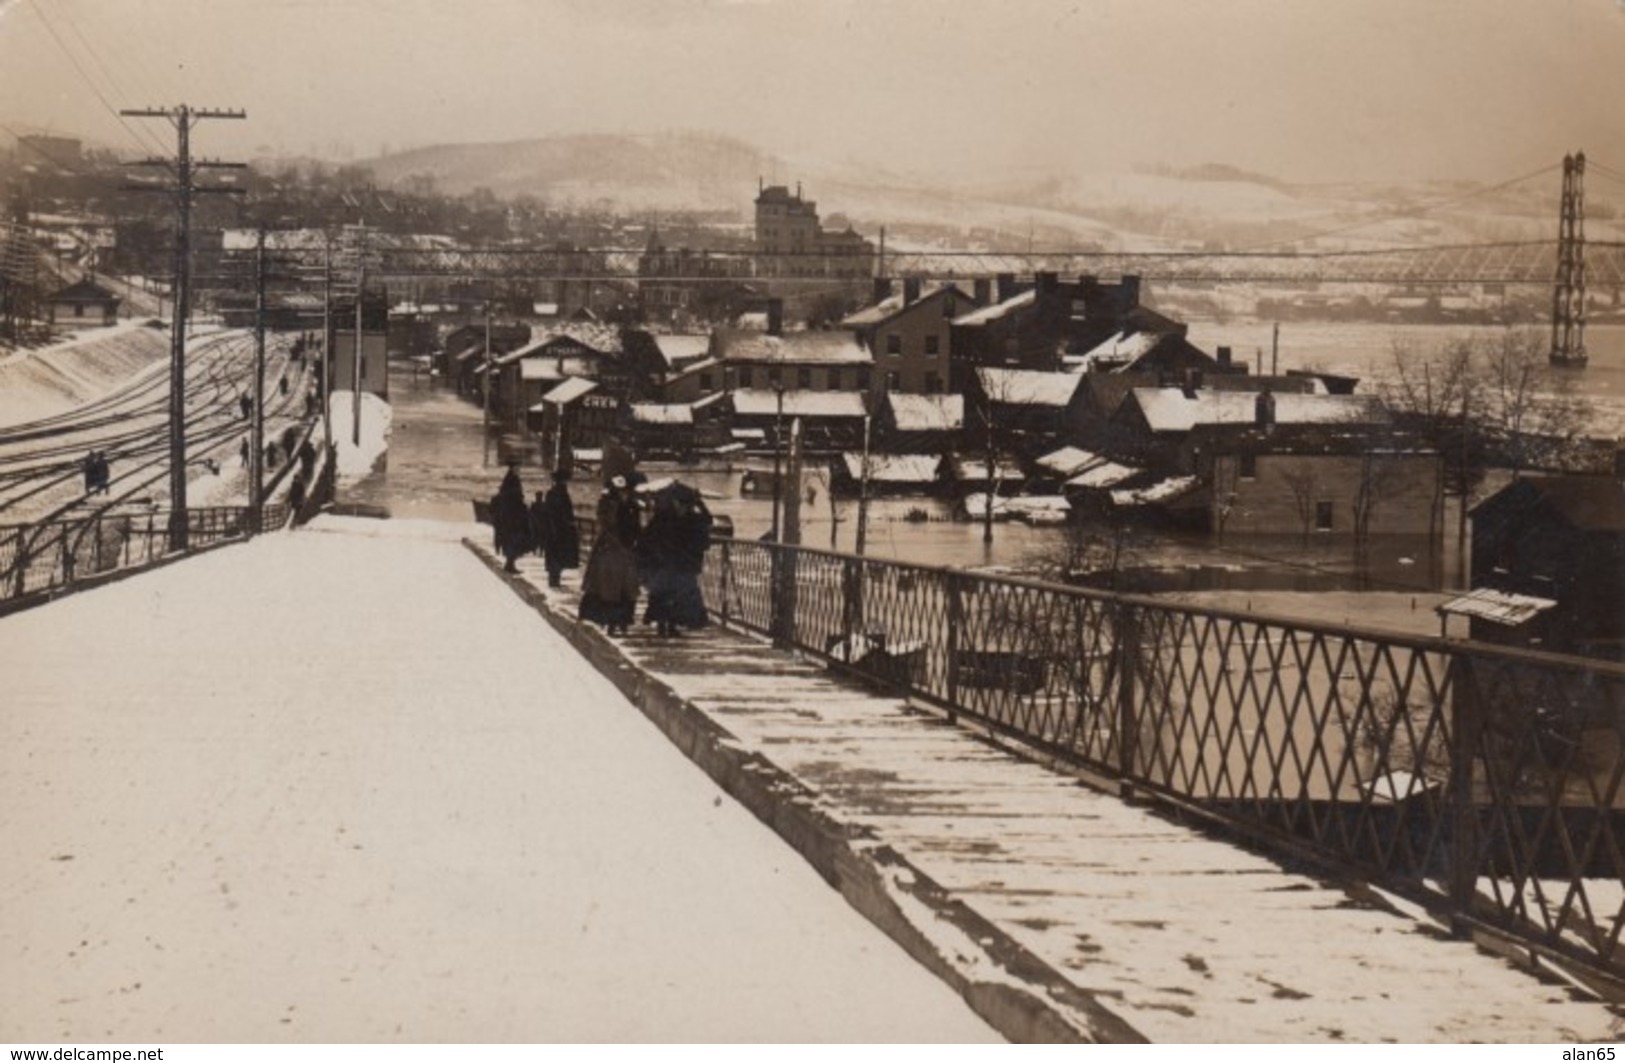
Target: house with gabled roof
{"points": [[813, 360], [909, 333], [84, 304]]}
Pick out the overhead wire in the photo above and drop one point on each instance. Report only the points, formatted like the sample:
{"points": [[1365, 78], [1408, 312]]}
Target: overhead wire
{"points": [[90, 49], [136, 137], [1408, 213]]}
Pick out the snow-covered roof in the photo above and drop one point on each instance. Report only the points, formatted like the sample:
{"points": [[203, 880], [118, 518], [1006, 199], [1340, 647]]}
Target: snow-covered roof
{"points": [[681, 348], [1173, 410], [1027, 387], [1068, 461], [1498, 607], [1041, 506], [894, 468], [875, 313], [1102, 475], [662, 413], [927, 413], [793, 348], [540, 369], [997, 310], [798, 403], [569, 391], [976, 469], [1161, 491], [605, 339], [1123, 345]]}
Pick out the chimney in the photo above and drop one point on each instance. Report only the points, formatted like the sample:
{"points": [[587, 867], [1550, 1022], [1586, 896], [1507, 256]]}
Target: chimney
{"points": [[984, 291], [775, 317], [1047, 280], [1128, 290], [1006, 286], [911, 290], [1226, 360], [1264, 408], [882, 288]]}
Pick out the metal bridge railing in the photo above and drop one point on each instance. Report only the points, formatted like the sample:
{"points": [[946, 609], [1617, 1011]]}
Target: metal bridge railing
{"points": [[45, 559], [1481, 781]]}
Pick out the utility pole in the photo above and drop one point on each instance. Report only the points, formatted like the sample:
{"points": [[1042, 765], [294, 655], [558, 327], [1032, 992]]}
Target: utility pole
{"points": [[256, 441], [327, 362], [355, 368], [183, 118], [485, 458]]}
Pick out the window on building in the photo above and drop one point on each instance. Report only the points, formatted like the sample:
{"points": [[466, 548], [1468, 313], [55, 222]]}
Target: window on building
{"points": [[931, 343], [894, 381], [1249, 466], [948, 306], [894, 343], [1323, 516], [744, 376], [804, 377], [863, 380], [933, 383], [833, 379], [705, 382]]}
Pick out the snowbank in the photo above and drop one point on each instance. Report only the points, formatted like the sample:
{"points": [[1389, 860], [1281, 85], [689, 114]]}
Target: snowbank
{"points": [[50, 380], [356, 462]]}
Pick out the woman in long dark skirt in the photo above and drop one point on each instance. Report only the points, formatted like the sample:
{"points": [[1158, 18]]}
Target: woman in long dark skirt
{"points": [[671, 555], [510, 520], [556, 525], [609, 587]]}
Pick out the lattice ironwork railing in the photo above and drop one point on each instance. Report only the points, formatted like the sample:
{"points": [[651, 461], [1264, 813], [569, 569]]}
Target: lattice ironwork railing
{"points": [[53, 556], [1481, 780]]}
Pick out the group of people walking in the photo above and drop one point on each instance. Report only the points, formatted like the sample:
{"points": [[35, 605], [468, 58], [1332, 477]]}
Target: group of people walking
{"points": [[546, 526], [663, 554]]}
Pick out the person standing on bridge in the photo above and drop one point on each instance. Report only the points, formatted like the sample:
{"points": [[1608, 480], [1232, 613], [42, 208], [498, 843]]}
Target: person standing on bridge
{"points": [[554, 521], [609, 587], [510, 519], [671, 555]]}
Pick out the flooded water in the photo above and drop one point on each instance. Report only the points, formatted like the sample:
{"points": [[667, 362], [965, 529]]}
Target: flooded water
{"points": [[1367, 351], [437, 466]]}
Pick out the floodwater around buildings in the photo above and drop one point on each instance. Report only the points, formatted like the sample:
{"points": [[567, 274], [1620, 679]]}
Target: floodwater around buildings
{"points": [[439, 462]]}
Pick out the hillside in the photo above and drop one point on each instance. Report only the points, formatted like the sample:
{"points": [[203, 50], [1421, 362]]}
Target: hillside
{"points": [[1214, 205]]}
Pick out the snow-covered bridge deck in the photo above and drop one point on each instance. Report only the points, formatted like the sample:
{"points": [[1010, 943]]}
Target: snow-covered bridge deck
{"points": [[342, 784], [999, 872]]}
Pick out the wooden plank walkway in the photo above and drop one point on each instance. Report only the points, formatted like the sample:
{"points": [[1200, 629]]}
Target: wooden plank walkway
{"points": [[1118, 922]]}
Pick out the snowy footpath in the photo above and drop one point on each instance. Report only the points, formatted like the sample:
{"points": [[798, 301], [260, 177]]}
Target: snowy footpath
{"points": [[341, 784], [1058, 911]]}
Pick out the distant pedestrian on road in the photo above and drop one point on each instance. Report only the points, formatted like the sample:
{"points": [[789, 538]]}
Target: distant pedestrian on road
{"points": [[671, 555], [246, 405], [609, 587], [89, 467], [104, 471], [560, 541], [510, 520]]}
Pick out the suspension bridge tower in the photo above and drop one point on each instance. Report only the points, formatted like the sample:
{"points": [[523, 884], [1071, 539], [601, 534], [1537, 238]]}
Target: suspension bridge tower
{"points": [[1569, 287]]}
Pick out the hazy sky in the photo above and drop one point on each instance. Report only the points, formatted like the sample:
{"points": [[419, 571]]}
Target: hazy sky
{"points": [[1307, 89]]}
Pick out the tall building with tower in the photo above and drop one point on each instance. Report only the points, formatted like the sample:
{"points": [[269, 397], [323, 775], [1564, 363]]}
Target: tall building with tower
{"points": [[792, 242]]}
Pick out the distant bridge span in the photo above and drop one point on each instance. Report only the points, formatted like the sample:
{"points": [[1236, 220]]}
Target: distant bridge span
{"points": [[1514, 263]]}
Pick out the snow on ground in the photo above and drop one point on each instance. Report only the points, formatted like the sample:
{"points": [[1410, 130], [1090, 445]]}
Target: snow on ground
{"points": [[355, 462], [347, 787], [51, 380]]}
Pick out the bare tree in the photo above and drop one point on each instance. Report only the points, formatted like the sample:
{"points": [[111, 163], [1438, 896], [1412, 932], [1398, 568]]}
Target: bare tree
{"points": [[1305, 488]]}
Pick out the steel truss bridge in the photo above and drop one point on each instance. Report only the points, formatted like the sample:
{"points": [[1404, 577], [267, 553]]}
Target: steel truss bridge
{"points": [[1527, 263]]}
